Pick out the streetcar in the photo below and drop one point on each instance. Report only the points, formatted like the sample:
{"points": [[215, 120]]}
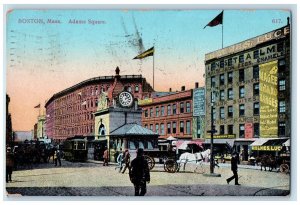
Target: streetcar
{"points": [[75, 149]]}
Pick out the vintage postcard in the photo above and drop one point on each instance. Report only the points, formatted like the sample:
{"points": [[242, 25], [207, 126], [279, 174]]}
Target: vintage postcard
{"points": [[148, 102]]}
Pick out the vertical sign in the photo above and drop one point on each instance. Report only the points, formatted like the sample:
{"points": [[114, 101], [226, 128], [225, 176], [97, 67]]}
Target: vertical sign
{"points": [[198, 102], [268, 95], [248, 130]]}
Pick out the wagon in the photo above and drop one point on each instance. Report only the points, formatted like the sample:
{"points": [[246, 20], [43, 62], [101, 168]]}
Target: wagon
{"points": [[168, 157]]}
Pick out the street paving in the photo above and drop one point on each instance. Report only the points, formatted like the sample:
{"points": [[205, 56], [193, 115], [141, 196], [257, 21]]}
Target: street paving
{"points": [[93, 179]]}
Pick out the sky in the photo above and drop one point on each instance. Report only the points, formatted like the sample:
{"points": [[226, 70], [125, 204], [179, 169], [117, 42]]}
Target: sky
{"points": [[43, 58]]}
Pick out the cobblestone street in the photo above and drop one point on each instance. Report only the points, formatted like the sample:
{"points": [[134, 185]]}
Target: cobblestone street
{"points": [[92, 179]]}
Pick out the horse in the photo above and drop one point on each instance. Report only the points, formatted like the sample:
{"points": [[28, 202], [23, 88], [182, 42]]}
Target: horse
{"points": [[196, 158]]}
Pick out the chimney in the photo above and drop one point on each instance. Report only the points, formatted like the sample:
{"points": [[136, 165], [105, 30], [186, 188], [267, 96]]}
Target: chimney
{"points": [[196, 85], [170, 89], [182, 88]]}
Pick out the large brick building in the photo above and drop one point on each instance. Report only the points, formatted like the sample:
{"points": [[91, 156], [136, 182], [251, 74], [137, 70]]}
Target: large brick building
{"points": [[169, 115], [70, 112], [251, 85]]}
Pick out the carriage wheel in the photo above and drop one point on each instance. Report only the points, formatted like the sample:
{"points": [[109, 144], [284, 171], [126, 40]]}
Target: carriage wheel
{"points": [[170, 166], [284, 168], [150, 161]]}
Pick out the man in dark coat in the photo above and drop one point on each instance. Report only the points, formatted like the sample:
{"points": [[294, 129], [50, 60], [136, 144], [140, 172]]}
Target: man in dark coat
{"points": [[126, 160], [234, 167], [139, 173], [9, 164]]}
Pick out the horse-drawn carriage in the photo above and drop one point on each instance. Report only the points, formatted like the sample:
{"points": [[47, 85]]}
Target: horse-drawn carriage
{"points": [[167, 156], [278, 163]]}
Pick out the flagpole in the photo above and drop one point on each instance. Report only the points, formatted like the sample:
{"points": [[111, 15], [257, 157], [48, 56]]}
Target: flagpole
{"points": [[153, 66], [222, 35]]}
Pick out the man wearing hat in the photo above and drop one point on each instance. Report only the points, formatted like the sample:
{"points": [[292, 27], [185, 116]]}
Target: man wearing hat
{"points": [[139, 173], [126, 160], [234, 167], [9, 164]]}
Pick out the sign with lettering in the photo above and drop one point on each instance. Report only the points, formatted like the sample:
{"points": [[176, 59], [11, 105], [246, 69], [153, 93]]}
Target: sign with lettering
{"points": [[145, 101], [198, 102], [222, 136], [277, 34], [266, 148], [268, 95], [248, 130]]}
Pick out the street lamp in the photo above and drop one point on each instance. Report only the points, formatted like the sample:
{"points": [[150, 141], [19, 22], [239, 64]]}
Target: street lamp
{"points": [[212, 131]]}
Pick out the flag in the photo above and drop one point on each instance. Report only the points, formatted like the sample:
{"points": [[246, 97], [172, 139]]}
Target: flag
{"points": [[38, 106], [216, 21], [145, 54]]}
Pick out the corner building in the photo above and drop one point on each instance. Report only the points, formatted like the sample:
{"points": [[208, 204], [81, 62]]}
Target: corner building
{"points": [[249, 86], [70, 112]]}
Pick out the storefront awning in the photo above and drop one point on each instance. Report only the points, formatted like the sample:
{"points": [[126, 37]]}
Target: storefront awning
{"points": [[259, 142], [287, 143], [229, 142]]}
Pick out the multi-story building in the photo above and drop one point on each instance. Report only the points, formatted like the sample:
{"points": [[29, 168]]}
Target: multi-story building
{"points": [[249, 86], [170, 114], [41, 127], [70, 112]]}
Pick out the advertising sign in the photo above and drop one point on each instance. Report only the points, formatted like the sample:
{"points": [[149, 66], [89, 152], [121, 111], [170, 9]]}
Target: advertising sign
{"points": [[268, 95], [198, 102], [248, 130], [266, 148]]}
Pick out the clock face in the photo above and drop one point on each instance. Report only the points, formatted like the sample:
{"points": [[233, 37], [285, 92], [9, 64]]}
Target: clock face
{"points": [[125, 99]]}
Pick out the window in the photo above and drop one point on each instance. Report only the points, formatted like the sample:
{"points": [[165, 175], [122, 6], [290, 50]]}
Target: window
{"points": [[157, 111], [157, 128], [229, 77], [255, 72], [222, 64], [129, 89], [188, 107], [242, 130], [169, 127], [222, 79], [230, 129], [242, 110], [230, 111], [282, 106], [222, 113], [181, 107], [282, 84], [213, 66], [255, 54], [151, 127], [181, 127], [241, 75], [242, 92], [230, 94], [136, 89], [281, 129], [162, 129], [241, 59], [281, 65], [146, 113], [162, 110], [222, 130], [214, 114], [229, 62], [174, 127], [169, 109], [174, 109], [222, 95], [256, 108], [213, 81], [151, 112], [256, 129], [280, 47], [256, 89], [188, 127], [146, 126]]}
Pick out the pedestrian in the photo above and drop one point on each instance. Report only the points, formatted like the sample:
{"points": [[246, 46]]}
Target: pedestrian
{"points": [[139, 173], [105, 157], [126, 160], [120, 161], [9, 164], [57, 157], [234, 167]]}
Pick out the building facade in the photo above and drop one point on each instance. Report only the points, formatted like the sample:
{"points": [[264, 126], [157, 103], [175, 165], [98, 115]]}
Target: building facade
{"points": [[41, 127], [9, 136], [169, 115], [70, 112], [248, 85]]}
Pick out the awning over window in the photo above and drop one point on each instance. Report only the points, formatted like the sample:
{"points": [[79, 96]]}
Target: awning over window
{"points": [[221, 141], [259, 142]]}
